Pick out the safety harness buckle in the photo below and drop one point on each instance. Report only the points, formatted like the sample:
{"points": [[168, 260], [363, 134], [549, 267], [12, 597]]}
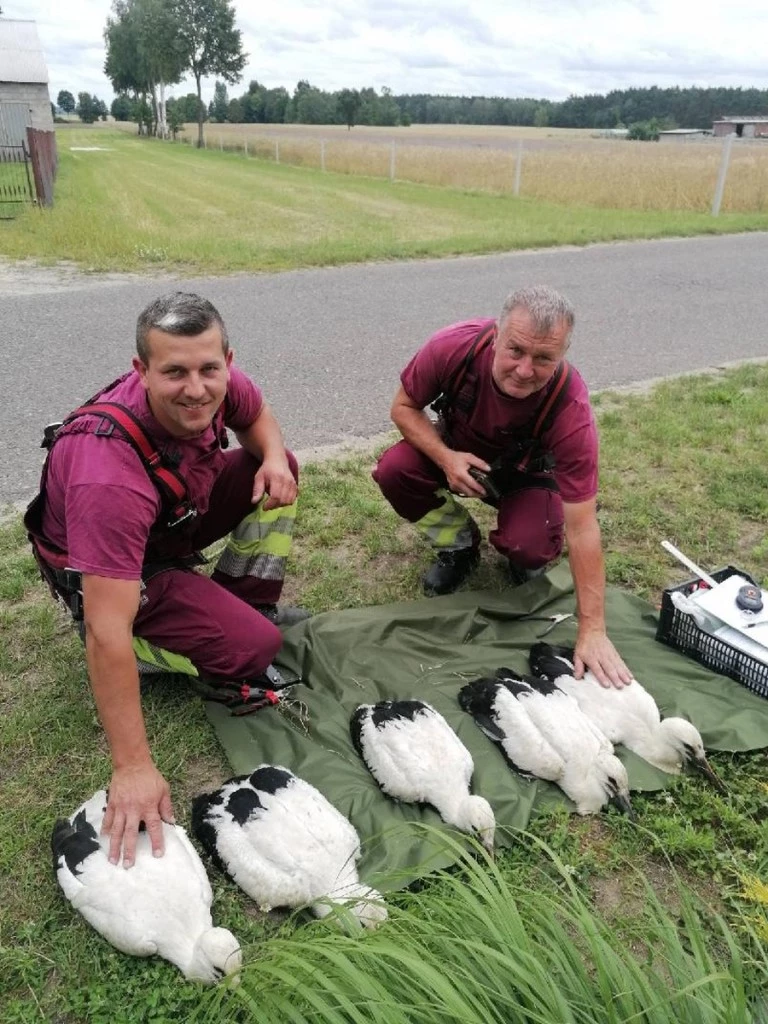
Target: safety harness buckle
{"points": [[49, 433], [182, 513]]}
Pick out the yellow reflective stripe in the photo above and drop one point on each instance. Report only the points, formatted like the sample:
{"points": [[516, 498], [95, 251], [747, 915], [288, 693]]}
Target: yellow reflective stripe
{"points": [[443, 525], [167, 660], [262, 515], [271, 516], [273, 544]]}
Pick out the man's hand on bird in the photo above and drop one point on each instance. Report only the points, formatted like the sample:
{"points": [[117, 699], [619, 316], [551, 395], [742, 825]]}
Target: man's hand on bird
{"points": [[136, 794], [594, 651]]}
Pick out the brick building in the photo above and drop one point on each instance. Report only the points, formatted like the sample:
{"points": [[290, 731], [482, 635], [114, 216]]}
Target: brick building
{"points": [[743, 127]]}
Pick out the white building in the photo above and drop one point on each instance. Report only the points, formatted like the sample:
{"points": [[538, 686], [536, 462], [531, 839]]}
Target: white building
{"points": [[684, 135], [24, 99]]}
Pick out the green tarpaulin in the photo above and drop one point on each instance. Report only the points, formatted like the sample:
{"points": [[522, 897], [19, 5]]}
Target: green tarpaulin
{"points": [[428, 649]]}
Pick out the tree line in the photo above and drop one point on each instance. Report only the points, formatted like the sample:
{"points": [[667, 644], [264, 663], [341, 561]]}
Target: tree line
{"points": [[87, 107], [643, 111]]}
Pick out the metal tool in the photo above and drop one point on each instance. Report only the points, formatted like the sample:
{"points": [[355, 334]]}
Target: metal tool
{"points": [[241, 697], [676, 553], [553, 620]]}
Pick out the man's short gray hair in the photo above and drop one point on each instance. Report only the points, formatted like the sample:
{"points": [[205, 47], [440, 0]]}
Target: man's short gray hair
{"points": [[546, 307], [182, 313]]}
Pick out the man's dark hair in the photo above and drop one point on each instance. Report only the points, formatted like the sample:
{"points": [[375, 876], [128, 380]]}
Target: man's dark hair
{"points": [[183, 313]]}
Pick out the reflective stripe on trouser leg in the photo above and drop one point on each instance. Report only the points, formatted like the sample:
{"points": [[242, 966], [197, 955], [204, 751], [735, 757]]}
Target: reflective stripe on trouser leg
{"points": [[449, 527], [260, 544], [156, 659]]}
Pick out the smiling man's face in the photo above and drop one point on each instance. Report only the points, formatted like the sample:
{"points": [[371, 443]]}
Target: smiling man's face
{"points": [[523, 360], [185, 378]]}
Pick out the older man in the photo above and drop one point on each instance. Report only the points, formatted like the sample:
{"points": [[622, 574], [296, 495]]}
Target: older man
{"points": [[516, 430], [136, 482]]}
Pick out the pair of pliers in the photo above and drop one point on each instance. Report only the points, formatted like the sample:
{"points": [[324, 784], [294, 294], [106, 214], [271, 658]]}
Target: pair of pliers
{"points": [[241, 697], [553, 620]]}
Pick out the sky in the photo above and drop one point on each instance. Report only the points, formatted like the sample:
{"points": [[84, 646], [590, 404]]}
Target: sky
{"points": [[540, 48]]}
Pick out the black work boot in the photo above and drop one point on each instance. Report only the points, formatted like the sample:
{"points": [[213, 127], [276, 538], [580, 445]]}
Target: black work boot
{"points": [[283, 616], [449, 570], [518, 575]]}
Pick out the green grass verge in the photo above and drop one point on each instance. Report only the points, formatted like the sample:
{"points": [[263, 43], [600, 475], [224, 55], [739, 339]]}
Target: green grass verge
{"points": [[685, 461], [143, 205]]}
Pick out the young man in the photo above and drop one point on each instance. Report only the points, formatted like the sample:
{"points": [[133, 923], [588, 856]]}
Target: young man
{"points": [[515, 429], [116, 533]]}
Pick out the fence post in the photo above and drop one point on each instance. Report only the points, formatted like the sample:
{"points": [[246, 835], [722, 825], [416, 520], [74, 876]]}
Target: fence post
{"points": [[42, 153], [322, 155], [277, 151], [245, 145], [518, 167], [392, 161], [720, 187], [221, 144]]}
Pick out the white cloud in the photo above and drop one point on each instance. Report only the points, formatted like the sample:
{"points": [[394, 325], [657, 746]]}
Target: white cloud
{"points": [[494, 47]]}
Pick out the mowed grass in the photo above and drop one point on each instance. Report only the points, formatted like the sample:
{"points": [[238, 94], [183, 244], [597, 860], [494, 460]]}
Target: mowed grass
{"points": [[136, 204], [574, 934]]}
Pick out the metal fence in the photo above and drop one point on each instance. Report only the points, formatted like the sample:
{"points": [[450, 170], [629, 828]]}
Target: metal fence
{"points": [[27, 172], [16, 184]]}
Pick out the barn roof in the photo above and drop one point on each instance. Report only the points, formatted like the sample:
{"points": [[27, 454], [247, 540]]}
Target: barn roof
{"points": [[21, 55], [740, 119]]}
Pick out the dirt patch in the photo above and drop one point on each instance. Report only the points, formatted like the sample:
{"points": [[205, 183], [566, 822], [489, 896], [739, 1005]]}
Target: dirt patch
{"points": [[28, 277], [201, 775]]}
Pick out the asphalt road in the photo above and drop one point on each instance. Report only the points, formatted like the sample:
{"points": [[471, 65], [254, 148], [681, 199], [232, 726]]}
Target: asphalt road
{"points": [[327, 345]]}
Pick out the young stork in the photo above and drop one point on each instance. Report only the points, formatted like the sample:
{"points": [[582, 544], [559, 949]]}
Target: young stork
{"points": [[284, 844], [160, 906], [416, 757], [629, 716], [543, 734]]}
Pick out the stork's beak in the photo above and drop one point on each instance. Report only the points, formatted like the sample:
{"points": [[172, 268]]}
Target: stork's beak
{"points": [[622, 803], [487, 841], [703, 765]]}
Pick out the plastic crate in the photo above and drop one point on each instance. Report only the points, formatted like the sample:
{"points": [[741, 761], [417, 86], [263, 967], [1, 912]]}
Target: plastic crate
{"points": [[680, 631]]}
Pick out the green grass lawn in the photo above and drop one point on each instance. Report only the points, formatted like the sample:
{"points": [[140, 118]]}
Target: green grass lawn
{"points": [[686, 462], [143, 205]]}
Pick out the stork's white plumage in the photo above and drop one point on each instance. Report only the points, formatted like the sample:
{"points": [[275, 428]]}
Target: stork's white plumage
{"points": [[629, 715], [415, 756], [284, 844], [543, 733], [160, 906]]}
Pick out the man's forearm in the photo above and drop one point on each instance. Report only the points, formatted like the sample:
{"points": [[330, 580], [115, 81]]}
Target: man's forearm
{"points": [[420, 432], [263, 438], [585, 555], [115, 683]]}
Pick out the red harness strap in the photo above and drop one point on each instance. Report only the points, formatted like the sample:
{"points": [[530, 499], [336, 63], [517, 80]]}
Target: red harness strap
{"points": [[562, 376], [170, 484], [443, 402]]}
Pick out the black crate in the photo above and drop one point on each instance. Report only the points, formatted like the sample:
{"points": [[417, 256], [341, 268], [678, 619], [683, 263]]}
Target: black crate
{"points": [[678, 630]]}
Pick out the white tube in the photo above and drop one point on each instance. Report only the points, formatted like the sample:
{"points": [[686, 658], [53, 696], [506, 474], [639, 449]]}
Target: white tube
{"points": [[676, 553]]}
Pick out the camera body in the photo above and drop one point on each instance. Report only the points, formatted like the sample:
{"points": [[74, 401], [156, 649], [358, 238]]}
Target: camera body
{"points": [[486, 481]]}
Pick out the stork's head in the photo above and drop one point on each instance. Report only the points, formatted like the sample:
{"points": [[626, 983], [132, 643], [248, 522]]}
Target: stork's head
{"points": [[476, 816], [686, 747], [605, 782], [216, 954]]}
